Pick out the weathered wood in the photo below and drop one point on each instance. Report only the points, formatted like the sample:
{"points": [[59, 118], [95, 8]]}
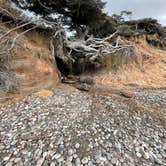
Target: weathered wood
{"points": [[79, 54]]}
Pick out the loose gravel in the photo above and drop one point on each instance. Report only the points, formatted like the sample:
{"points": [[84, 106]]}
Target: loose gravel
{"points": [[75, 129]]}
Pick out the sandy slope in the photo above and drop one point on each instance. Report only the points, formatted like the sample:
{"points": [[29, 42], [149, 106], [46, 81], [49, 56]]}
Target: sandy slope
{"points": [[152, 73], [31, 62]]}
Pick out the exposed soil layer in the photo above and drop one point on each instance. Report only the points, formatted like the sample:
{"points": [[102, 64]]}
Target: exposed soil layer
{"points": [[150, 73], [31, 63]]}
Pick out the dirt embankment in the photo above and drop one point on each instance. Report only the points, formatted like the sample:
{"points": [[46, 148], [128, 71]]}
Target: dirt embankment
{"points": [[35, 68], [149, 72], [31, 63]]}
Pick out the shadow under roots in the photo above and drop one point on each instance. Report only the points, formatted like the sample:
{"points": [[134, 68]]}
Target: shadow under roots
{"points": [[80, 66], [63, 68]]}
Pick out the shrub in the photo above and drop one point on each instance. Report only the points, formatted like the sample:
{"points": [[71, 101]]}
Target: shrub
{"points": [[125, 30]]}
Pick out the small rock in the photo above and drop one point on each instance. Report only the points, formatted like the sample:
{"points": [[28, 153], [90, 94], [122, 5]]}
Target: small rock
{"points": [[70, 158], [85, 160], [109, 156], [121, 159], [45, 154], [38, 153], [77, 162], [110, 145], [146, 155], [61, 146], [86, 79], [118, 147], [6, 158], [139, 155], [157, 160], [77, 145], [9, 164], [52, 164], [114, 160], [40, 162], [60, 160], [69, 161], [90, 163], [75, 156], [70, 152], [90, 145], [56, 156], [137, 149], [26, 136], [127, 94]]}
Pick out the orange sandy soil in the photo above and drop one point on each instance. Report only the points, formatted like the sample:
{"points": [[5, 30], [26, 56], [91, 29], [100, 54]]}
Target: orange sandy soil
{"points": [[32, 64]]}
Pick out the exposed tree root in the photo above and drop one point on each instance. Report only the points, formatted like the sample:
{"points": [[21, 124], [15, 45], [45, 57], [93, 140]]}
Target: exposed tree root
{"points": [[80, 55]]}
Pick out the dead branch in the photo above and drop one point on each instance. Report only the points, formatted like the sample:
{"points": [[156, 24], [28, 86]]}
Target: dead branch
{"points": [[19, 35], [2, 10], [111, 36], [15, 28]]}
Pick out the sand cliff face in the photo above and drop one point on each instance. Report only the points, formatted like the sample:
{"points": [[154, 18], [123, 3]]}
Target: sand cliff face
{"points": [[32, 64], [149, 72], [34, 68]]}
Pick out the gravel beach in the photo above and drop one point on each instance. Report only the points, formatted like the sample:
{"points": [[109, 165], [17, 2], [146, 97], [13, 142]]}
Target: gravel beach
{"points": [[75, 129]]}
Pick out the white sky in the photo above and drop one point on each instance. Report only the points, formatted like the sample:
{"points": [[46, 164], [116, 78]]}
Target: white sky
{"points": [[140, 8]]}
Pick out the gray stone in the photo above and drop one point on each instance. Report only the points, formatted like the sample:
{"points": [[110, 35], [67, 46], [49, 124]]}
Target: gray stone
{"points": [[78, 162], [157, 160], [77, 145], [52, 164], [109, 156], [56, 156], [114, 160], [85, 160], [70, 152], [40, 162], [38, 154], [6, 158], [90, 163], [139, 155], [69, 161], [9, 163], [118, 147], [146, 155], [60, 160]]}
